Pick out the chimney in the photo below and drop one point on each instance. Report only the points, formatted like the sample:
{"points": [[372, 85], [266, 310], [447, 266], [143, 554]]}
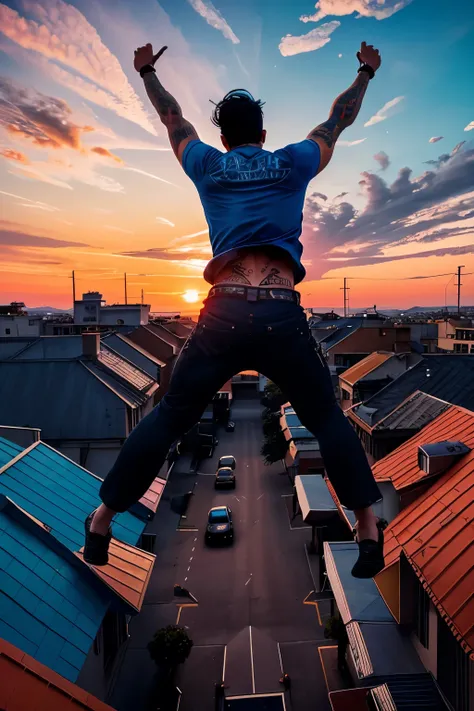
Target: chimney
{"points": [[90, 345]]}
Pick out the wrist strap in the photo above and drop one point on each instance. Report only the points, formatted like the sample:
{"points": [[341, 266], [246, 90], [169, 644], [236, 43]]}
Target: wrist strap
{"points": [[147, 68], [367, 68]]}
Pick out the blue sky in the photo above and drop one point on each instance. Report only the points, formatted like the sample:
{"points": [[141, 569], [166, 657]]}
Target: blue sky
{"points": [[106, 190]]}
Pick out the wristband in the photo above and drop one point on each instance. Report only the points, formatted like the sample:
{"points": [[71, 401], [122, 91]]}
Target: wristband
{"points": [[147, 68], [367, 68]]}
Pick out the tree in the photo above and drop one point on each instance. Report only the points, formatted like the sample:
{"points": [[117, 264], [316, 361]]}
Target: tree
{"points": [[170, 646], [273, 398], [270, 422], [274, 447]]}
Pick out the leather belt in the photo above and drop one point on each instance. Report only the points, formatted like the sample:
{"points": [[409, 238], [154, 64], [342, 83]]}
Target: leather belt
{"points": [[254, 293]]}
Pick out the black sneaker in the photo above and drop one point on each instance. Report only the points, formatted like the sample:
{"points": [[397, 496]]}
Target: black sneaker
{"points": [[96, 546], [371, 559]]}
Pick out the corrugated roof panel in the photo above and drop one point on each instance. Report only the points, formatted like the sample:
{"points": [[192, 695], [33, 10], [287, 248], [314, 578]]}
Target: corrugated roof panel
{"points": [[414, 413], [129, 394], [8, 450], [24, 679], [364, 367], [401, 466], [127, 573], [61, 494], [136, 377], [44, 598], [447, 377], [436, 533]]}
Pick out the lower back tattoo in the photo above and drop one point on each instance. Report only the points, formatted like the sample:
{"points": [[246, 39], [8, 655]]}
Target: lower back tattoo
{"points": [[274, 279]]}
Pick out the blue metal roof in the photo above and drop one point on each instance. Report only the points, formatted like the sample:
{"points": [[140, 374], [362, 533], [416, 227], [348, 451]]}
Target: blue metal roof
{"points": [[292, 420], [300, 433], [61, 494], [8, 451], [50, 605]]}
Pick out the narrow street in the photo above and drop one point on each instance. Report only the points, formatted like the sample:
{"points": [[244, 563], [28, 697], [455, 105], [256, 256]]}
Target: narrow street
{"points": [[250, 623]]}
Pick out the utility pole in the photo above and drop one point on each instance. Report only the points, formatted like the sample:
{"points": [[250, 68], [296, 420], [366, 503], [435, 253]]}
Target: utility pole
{"points": [[142, 297], [125, 283], [346, 290], [459, 288], [73, 288]]}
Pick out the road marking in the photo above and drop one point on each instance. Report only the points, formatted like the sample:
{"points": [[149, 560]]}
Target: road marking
{"points": [[185, 579], [279, 656], [191, 559], [251, 661], [179, 615], [224, 663], [259, 497], [286, 496], [244, 497], [187, 530], [237, 499], [193, 549], [322, 664], [256, 521], [195, 539], [188, 569], [248, 580]]}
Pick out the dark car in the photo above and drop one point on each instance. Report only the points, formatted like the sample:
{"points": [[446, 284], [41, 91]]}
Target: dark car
{"points": [[225, 477], [228, 460], [219, 525], [230, 426]]}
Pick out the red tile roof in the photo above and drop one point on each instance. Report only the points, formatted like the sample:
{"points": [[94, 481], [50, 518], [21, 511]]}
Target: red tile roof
{"points": [[436, 533], [28, 684], [151, 497], [401, 466], [358, 371], [127, 572], [345, 699]]}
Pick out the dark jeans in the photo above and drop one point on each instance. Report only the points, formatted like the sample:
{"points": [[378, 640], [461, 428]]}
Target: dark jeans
{"points": [[273, 338]]}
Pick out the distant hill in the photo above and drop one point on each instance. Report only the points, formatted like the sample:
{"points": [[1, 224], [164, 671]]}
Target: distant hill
{"points": [[46, 310]]}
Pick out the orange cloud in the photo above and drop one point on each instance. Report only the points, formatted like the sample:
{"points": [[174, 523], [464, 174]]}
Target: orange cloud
{"points": [[10, 154], [107, 154]]}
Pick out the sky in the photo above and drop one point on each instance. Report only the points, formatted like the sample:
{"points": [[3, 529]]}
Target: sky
{"points": [[89, 183]]}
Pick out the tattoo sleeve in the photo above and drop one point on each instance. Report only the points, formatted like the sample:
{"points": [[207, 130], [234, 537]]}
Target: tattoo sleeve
{"points": [[169, 111], [343, 112]]}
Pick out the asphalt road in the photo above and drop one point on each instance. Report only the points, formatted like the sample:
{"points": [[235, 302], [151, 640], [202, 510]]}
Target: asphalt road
{"points": [[251, 593], [250, 623]]}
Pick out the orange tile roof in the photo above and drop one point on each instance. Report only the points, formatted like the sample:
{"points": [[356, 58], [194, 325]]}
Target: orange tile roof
{"points": [[436, 533], [127, 572], [364, 367], [401, 466], [28, 684], [151, 497]]}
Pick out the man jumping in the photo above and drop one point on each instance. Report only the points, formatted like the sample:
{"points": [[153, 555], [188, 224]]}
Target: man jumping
{"points": [[252, 318]]}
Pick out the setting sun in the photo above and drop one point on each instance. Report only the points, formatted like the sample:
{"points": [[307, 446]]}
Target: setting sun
{"points": [[191, 296]]}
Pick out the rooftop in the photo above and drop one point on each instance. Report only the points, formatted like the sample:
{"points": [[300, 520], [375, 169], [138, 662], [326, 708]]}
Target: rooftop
{"points": [[340, 333], [24, 679], [436, 531], [414, 413], [401, 466], [314, 498], [58, 492], [358, 371], [50, 605], [447, 377]]}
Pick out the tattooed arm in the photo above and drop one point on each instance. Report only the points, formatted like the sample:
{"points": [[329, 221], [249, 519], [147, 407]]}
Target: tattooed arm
{"points": [[345, 108], [180, 131]]}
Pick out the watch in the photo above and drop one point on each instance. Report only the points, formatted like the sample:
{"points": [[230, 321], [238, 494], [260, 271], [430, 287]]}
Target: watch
{"points": [[367, 68], [147, 68]]}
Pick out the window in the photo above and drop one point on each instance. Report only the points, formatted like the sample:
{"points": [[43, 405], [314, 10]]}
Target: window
{"points": [[345, 394], [453, 668], [7, 331], [31, 322], [422, 616], [472, 349], [464, 348]]}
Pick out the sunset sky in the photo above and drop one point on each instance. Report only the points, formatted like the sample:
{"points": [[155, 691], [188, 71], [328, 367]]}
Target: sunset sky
{"points": [[88, 181]]}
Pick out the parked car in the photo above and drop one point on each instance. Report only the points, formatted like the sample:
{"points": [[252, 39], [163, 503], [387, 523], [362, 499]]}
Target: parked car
{"points": [[219, 525], [227, 460], [225, 477], [230, 426]]}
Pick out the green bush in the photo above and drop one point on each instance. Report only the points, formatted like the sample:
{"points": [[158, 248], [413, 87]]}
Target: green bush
{"points": [[170, 646]]}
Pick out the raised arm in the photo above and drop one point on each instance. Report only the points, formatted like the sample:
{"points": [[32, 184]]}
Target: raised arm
{"points": [[347, 105], [180, 131]]}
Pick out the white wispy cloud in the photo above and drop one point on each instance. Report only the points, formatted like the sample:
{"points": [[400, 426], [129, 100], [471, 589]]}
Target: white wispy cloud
{"points": [[150, 175], [214, 18], [51, 208], [60, 33], [351, 143], [384, 112], [164, 221], [435, 139], [315, 39], [112, 228], [470, 126], [177, 240], [380, 9]]}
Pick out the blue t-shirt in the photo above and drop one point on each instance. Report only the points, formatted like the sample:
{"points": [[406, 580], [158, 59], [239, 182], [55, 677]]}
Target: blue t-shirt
{"points": [[252, 197]]}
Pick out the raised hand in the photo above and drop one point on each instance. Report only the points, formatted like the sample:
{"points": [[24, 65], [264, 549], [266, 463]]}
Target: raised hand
{"points": [[144, 55], [369, 55]]}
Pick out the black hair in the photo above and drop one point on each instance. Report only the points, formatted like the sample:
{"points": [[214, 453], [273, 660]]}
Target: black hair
{"points": [[240, 118]]}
